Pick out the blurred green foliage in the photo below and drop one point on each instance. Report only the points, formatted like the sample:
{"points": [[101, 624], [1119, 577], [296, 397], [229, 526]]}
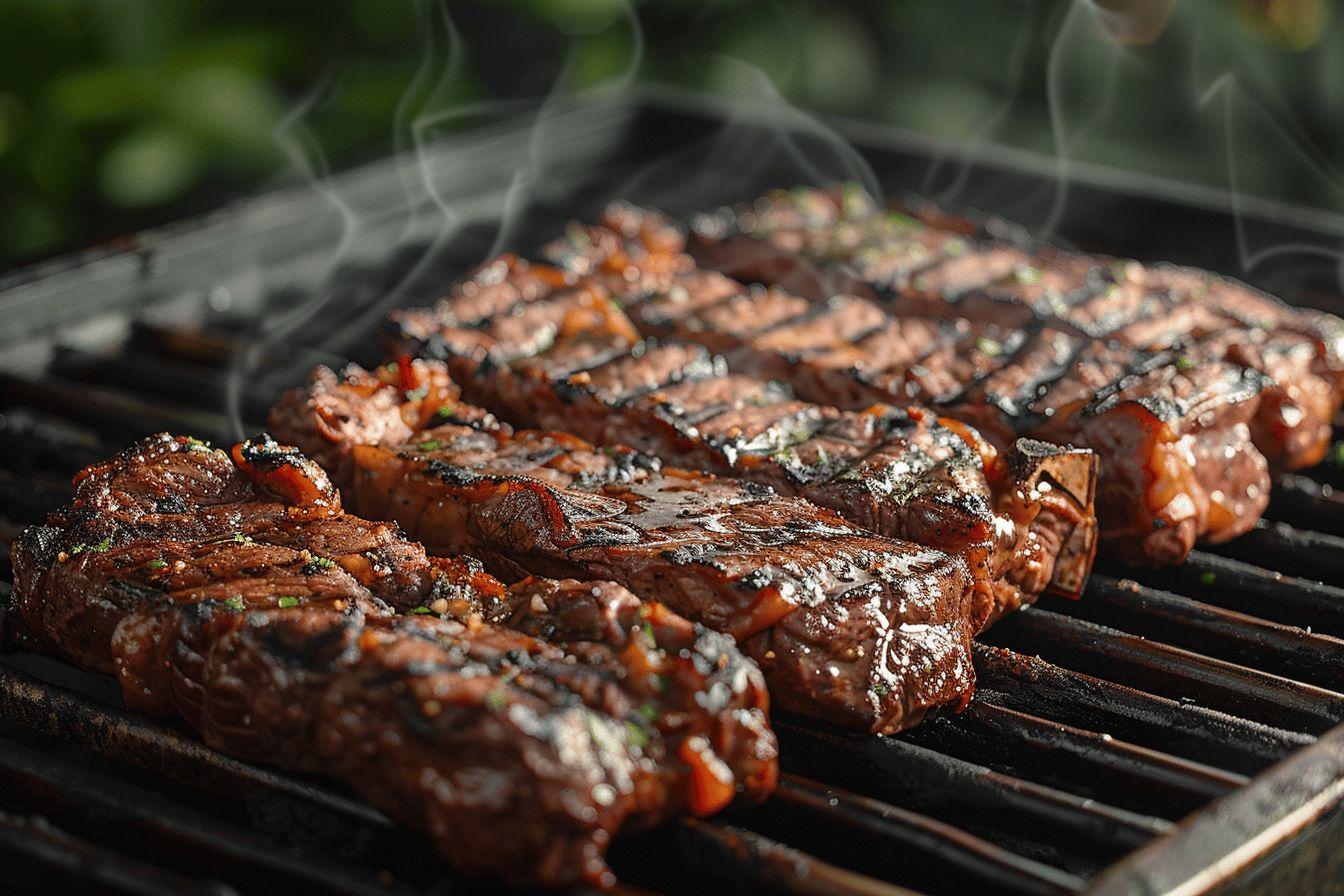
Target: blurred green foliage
{"points": [[118, 114]]}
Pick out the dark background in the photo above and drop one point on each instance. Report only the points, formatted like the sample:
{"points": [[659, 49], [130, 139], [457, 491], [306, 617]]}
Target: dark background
{"points": [[120, 115]]}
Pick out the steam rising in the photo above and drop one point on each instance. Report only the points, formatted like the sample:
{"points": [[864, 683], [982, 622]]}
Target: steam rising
{"points": [[760, 136]]}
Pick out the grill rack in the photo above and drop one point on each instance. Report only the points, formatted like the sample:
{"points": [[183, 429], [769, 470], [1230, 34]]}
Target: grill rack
{"points": [[1168, 733]]}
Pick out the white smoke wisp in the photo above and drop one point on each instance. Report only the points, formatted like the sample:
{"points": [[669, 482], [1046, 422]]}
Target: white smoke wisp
{"points": [[962, 161], [1244, 120], [1078, 101], [305, 155]]}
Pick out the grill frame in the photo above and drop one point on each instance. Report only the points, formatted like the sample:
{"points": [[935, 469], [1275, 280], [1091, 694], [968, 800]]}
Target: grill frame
{"points": [[1282, 818]]}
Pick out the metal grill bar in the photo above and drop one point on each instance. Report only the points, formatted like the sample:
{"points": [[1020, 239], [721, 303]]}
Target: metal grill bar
{"points": [[37, 857], [1252, 589], [945, 844], [1170, 671], [1315, 556], [140, 820], [1078, 761], [1212, 630], [1186, 729]]}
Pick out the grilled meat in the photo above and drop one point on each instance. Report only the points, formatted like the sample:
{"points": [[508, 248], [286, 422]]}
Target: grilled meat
{"points": [[945, 267], [521, 727], [1184, 383], [574, 361], [849, 627]]}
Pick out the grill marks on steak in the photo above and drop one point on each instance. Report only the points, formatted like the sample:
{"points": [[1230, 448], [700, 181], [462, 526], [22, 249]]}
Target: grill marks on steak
{"points": [[902, 473], [520, 727], [849, 627], [1190, 386], [1148, 308]]}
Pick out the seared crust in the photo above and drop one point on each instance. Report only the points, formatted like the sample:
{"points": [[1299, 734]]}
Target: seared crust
{"points": [[1191, 387], [850, 627], [520, 726]]}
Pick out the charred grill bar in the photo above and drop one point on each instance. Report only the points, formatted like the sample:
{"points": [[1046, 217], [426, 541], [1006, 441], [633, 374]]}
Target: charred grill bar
{"points": [[1021, 795]]}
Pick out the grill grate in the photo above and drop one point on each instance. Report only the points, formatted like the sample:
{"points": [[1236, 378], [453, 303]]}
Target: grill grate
{"points": [[1171, 728]]}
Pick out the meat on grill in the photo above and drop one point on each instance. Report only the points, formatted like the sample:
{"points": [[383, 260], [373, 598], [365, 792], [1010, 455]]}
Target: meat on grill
{"points": [[1182, 382], [573, 361], [849, 627], [828, 242], [520, 727]]}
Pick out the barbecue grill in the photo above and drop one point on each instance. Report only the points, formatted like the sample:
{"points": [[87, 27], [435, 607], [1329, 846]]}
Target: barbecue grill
{"points": [[1176, 731]]}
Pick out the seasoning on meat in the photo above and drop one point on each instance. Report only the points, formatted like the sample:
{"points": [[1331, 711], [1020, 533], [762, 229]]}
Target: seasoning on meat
{"points": [[520, 727]]}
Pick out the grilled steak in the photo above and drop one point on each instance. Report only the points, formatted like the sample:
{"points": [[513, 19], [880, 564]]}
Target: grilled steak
{"points": [[849, 627], [1183, 383], [574, 361], [841, 241], [520, 727]]}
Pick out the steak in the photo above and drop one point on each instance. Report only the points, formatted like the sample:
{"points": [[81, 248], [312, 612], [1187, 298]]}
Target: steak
{"points": [[520, 727], [848, 626], [931, 264], [903, 473], [1171, 391]]}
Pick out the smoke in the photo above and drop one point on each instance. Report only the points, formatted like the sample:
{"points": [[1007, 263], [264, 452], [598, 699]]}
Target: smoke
{"points": [[1085, 62]]}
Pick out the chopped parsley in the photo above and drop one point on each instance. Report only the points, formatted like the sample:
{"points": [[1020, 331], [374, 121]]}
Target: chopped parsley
{"points": [[240, 538], [235, 603], [1207, 579], [287, 601], [648, 713], [422, 611], [648, 633], [636, 736], [1027, 275], [1185, 363], [156, 564], [99, 548], [881, 690], [444, 411], [429, 445], [1338, 453], [323, 562]]}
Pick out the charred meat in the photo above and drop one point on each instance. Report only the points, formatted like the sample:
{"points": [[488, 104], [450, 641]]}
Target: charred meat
{"points": [[575, 361], [1191, 387], [520, 727], [849, 627]]}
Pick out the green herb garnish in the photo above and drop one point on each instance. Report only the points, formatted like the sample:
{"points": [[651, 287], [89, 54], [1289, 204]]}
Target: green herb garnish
{"points": [[444, 411], [636, 736], [496, 699], [1185, 363], [324, 562], [428, 445], [235, 603], [156, 564], [1027, 274], [422, 611], [881, 690], [287, 601], [987, 346], [99, 548], [648, 713], [1207, 579]]}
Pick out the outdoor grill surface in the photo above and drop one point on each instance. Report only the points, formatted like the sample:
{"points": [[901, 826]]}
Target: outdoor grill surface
{"points": [[1175, 731]]}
